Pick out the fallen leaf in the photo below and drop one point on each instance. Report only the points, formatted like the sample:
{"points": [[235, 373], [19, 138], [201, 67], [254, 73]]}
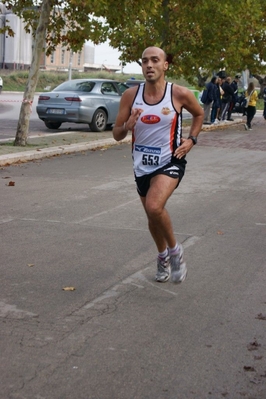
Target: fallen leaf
{"points": [[220, 232], [7, 177], [68, 289], [31, 264], [11, 184], [253, 346], [249, 368], [261, 316]]}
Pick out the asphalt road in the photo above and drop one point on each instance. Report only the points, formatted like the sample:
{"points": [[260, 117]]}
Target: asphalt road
{"points": [[76, 221]]}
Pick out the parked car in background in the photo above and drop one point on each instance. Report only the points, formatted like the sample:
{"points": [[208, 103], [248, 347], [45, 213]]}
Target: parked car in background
{"points": [[92, 101], [134, 82]]}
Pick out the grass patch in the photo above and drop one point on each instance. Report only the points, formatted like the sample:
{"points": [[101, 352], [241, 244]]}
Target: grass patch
{"points": [[17, 80], [11, 144], [7, 144]]}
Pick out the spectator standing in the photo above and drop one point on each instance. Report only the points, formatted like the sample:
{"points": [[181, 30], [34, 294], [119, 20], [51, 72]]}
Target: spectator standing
{"points": [[264, 98], [219, 110], [216, 101], [234, 85], [252, 95], [1, 84], [227, 97], [211, 89]]}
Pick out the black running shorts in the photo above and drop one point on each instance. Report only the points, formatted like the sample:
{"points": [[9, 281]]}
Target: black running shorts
{"points": [[174, 170]]}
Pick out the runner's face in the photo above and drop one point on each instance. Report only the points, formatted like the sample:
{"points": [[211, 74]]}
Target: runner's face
{"points": [[153, 64]]}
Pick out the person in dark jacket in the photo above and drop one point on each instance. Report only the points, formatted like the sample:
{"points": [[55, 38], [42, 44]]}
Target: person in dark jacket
{"points": [[234, 85], [264, 98], [211, 90], [216, 100], [227, 97]]}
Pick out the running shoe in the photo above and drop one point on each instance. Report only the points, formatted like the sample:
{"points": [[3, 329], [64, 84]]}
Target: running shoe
{"points": [[163, 270], [178, 266]]}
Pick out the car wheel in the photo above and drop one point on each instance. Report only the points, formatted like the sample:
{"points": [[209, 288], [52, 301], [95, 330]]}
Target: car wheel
{"points": [[53, 125], [99, 121]]}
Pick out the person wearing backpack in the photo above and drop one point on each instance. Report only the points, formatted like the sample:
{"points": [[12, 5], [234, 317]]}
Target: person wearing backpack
{"points": [[207, 99], [252, 96]]}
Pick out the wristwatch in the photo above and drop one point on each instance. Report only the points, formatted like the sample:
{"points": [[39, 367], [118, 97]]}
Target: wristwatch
{"points": [[193, 138]]}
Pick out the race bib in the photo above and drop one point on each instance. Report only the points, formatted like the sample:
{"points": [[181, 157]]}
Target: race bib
{"points": [[147, 156]]}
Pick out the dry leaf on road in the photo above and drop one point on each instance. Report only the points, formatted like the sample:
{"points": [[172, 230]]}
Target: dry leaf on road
{"points": [[68, 289]]}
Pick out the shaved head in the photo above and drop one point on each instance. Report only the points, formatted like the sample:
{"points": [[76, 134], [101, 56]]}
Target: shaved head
{"points": [[155, 50]]}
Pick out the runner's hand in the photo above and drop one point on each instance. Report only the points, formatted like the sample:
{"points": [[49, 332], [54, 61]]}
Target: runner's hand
{"points": [[184, 148], [132, 120]]}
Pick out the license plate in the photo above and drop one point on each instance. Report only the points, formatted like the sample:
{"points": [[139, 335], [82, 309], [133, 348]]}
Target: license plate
{"points": [[55, 111]]}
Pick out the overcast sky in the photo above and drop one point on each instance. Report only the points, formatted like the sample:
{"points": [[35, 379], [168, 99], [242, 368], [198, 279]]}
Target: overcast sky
{"points": [[104, 54]]}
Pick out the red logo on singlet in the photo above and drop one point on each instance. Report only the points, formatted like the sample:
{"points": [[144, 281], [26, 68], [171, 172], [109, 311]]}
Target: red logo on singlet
{"points": [[150, 119]]}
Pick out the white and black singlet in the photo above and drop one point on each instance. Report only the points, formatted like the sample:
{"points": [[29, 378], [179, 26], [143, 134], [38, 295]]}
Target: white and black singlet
{"points": [[156, 134]]}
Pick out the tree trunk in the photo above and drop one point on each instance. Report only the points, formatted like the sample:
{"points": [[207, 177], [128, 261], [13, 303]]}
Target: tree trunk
{"points": [[37, 50]]}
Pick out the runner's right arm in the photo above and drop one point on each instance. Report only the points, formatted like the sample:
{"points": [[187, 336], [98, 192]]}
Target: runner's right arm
{"points": [[126, 117]]}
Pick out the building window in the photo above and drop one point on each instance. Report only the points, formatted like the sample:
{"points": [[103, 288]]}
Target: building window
{"points": [[79, 57], [63, 56], [52, 58]]}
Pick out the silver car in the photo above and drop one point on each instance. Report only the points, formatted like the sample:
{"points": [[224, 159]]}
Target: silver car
{"points": [[92, 101]]}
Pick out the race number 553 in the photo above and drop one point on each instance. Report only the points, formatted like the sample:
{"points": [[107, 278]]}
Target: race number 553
{"points": [[150, 159]]}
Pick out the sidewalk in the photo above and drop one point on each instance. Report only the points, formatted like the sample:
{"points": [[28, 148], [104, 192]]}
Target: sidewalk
{"points": [[42, 146]]}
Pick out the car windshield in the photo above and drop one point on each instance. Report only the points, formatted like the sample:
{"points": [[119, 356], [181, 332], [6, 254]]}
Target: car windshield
{"points": [[71, 85], [122, 86]]}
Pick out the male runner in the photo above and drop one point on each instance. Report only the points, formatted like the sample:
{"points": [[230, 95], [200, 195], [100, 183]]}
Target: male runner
{"points": [[152, 111]]}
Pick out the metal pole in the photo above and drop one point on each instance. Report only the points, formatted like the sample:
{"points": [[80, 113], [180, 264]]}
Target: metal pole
{"points": [[4, 40], [70, 65]]}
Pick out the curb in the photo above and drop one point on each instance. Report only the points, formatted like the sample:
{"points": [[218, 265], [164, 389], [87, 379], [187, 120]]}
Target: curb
{"points": [[9, 159], [6, 160]]}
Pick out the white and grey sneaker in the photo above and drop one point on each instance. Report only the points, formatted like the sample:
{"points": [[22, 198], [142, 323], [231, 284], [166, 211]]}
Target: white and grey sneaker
{"points": [[163, 270], [178, 266]]}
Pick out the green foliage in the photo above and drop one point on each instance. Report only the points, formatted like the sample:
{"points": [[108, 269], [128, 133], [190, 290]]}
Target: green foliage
{"points": [[199, 36], [16, 81], [70, 22]]}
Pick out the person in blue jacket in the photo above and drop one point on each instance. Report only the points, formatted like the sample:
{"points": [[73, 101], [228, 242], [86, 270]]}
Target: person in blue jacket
{"points": [[211, 95]]}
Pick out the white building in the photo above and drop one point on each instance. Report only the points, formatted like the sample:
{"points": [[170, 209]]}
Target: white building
{"points": [[16, 51]]}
